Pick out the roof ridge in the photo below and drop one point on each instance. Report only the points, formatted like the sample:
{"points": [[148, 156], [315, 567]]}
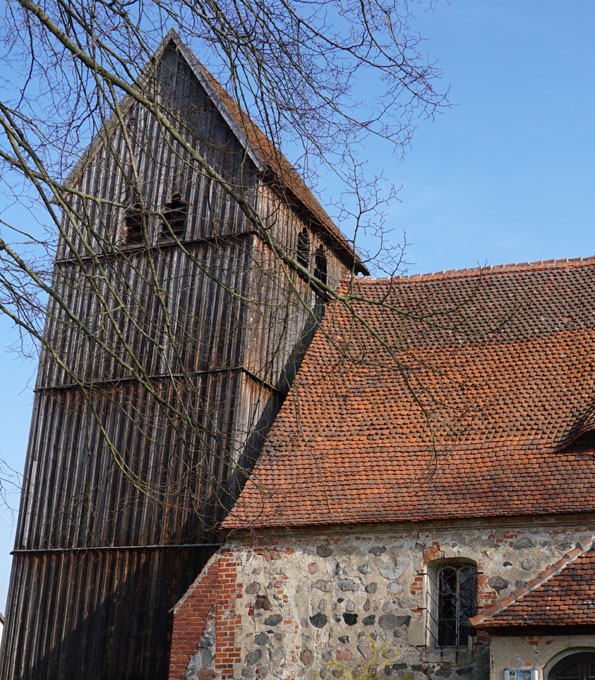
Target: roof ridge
{"points": [[561, 263], [261, 150], [533, 584], [276, 161]]}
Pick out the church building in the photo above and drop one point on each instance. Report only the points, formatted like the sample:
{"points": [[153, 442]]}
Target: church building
{"points": [[425, 490], [192, 267], [249, 460]]}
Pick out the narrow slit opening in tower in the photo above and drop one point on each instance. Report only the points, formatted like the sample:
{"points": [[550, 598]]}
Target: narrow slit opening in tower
{"points": [[133, 221], [320, 265], [174, 218]]}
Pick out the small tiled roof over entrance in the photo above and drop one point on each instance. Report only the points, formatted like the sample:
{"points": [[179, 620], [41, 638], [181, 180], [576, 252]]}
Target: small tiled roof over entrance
{"points": [[460, 394], [561, 595]]}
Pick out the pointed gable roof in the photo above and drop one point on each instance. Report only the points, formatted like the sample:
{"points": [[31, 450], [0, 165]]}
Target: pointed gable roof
{"points": [[561, 595], [457, 394], [267, 158]]}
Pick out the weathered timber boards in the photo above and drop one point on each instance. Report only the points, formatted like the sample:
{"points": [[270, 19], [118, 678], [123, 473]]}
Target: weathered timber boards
{"points": [[101, 614], [174, 485]]}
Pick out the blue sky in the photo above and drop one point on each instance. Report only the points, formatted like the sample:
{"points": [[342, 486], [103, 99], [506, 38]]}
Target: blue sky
{"points": [[505, 175]]}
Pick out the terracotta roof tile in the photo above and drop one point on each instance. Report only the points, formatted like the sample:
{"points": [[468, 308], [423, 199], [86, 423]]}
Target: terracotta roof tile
{"points": [[464, 394], [561, 595]]}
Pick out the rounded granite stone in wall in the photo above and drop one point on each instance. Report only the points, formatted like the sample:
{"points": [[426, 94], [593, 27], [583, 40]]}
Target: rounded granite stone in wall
{"points": [[324, 551], [498, 583], [319, 620], [261, 639], [333, 595]]}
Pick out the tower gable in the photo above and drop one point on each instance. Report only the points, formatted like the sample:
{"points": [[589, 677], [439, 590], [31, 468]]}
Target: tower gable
{"points": [[171, 342]]}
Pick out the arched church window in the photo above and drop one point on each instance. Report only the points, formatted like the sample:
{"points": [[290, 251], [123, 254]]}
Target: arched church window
{"points": [[303, 248], [320, 265], [457, 601]]}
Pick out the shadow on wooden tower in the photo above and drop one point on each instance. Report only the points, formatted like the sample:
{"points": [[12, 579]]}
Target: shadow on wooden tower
{"points": [[183, 307]]}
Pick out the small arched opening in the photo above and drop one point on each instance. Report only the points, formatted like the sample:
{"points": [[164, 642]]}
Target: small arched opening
{"points": [[574, 664], [135, 218], [174, 217], [303, 248], [320, 265]]}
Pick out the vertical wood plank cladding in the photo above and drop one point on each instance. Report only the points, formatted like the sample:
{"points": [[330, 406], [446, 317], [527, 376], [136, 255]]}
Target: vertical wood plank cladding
{"points": [[285, 224], [127, 642], [195, 326], [284, 314], [76, 494], [147, 419], [162, 167]]}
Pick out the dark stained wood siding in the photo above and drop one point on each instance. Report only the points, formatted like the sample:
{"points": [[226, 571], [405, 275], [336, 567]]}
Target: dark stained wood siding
{"points": [[75, 493], [136, 155], [115, 604], [285, 223], [194, 324], [121, 496]]}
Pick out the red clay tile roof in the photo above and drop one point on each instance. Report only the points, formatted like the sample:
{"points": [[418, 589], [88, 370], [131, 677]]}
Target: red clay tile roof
{"points": [[459, 394], [561, 595]]}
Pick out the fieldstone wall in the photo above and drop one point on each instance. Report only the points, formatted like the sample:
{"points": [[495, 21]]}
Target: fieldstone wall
{"points": [[303, 602], [202, 664]]}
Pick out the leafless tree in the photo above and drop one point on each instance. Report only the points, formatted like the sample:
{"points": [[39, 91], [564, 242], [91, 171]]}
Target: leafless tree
{"points": [[176, 271], [73, 71]]}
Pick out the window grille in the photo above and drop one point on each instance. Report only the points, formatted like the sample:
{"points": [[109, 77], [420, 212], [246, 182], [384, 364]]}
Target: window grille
{"points": [[457, 601]]}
